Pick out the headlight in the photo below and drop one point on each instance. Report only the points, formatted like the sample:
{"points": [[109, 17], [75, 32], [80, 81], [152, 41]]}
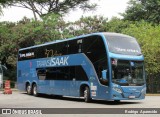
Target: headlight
{"points": [[117, 89], [143, 90]]}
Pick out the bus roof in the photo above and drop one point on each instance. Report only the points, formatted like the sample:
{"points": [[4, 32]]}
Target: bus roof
{"points": [[81, 36]]}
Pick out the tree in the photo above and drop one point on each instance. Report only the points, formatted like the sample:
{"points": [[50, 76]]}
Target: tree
{"points": [[43, 7], [87, 25], [0, 10], [1, 5], [116, 25], [148, 37], [25, 33], [147, 10]]}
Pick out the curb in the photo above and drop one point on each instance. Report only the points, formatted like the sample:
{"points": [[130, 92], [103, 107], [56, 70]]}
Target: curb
{"points": [[153, 94], [11, 89]]}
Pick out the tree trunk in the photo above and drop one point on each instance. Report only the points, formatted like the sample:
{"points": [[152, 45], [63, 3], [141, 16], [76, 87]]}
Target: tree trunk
{"points": [[33, 9]]}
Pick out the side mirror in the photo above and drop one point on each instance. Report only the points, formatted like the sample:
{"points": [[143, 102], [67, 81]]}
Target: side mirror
{"points": [[104, 75]]}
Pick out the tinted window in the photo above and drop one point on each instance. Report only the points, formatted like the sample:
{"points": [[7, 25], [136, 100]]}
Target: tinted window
{"points": [[72, 72], [44, 51], [122, 44], [126, 72], [40, 52], [61, 49], [80, 74], [95, 50], [41, 73], [62, 73], [72, 47], [75, 46], [48, 51]]}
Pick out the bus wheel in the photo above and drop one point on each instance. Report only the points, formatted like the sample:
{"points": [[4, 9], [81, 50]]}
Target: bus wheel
{"points": [[28, 89], [35, 93], [87, 94]]}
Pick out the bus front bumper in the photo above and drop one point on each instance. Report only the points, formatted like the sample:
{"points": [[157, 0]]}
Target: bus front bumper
{"points": [[129, 95]]}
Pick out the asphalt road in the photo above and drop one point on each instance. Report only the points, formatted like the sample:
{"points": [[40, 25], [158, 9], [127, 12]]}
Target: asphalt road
{"points": [[22, 100]]}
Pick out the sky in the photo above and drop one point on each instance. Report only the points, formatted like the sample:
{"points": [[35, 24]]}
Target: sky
{"points": [[106, 8]]}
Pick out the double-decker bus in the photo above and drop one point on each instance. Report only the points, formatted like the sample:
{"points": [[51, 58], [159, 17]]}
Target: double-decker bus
{"points": [[105, 66]]}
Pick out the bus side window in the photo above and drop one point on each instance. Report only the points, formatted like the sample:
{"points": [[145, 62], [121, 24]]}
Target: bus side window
{"points": [[73, 47], [61, 49], [80, 74], [41, 73], [79, 42], [72, 72], [95, 50], [51, 73]]}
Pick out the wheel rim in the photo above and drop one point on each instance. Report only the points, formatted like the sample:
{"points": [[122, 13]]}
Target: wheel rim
{"points": [[28, 89], [35, 90], [85, 94]]}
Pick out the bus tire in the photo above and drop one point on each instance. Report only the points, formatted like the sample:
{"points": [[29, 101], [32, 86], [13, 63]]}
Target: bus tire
{"points": [[35, 93], [28, 89], [87, 97]]}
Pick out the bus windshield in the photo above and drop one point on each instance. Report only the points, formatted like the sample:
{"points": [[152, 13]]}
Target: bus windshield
{"points": [[122, 44], [127, 73]]}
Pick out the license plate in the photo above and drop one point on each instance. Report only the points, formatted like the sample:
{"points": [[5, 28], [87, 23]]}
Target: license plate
{"points": [[131, 96]]}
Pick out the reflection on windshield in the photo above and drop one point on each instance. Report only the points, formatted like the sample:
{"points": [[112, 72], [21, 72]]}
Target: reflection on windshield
{"points": [[127, 72], [122, 44]]}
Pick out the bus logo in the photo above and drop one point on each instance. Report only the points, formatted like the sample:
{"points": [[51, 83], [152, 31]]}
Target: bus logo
{"points": [[54, 61], [59, 61]]}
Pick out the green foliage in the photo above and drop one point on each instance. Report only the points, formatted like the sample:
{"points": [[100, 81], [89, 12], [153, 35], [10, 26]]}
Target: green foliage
{"points": [[6, 39], [147, 10], [29, 32], [148, 37], [87, 25], [116, 25]]}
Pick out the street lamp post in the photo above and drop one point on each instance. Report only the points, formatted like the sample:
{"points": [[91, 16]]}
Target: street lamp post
{"points": [[1, 76], [2, 67]]}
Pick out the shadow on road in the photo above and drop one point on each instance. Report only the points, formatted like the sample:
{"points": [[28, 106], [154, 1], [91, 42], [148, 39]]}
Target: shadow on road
{"points": [[104, 102]]}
